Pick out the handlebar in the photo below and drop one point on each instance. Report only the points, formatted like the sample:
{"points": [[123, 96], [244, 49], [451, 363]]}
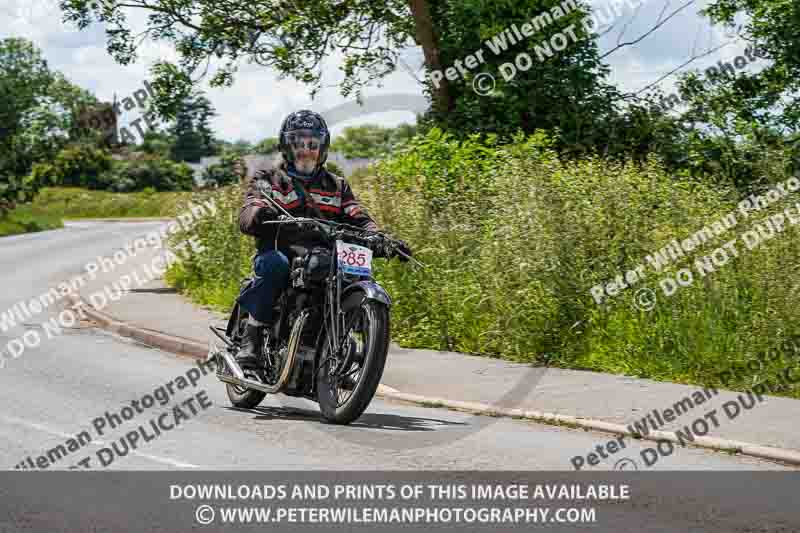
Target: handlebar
{"points": [[372, 239], [335, 229]]}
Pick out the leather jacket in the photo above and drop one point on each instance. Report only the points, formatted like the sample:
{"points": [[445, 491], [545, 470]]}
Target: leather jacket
{"points": [[324, 196]]}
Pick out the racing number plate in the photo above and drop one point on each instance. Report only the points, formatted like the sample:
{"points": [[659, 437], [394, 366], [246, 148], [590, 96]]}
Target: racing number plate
{"points": [[354, 259]]}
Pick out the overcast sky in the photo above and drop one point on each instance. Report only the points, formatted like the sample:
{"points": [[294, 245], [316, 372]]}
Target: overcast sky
{"points": [[254, 106]]}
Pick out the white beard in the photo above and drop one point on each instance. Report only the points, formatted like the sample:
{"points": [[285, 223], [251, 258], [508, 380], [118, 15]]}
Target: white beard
{"points": [[305, 165]]}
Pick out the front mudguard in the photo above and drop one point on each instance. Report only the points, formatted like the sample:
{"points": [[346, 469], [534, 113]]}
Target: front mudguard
{"points": [[355, 293]]}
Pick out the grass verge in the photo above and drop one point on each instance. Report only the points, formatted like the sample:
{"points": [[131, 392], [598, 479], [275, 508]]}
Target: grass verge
{"points": [[23, 219], [73, 202]]}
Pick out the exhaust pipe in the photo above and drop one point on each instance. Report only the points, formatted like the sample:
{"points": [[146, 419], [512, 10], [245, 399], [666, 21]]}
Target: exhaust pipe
{"points": [[238, 377]]}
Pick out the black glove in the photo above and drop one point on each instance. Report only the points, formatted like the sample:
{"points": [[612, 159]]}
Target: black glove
{"points": [[379, 245], [401, 246], [266, 212]]}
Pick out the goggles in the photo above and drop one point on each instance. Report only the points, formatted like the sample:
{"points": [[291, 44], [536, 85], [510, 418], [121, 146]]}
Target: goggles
{"points": [[304, 140]]}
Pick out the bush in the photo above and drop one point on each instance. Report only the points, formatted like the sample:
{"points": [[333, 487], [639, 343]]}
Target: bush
{"points": [[25, 219], [147, 170], [515, 247], [515, 239], [15, 190], [222, 173], [213, 275], [78, 165]]}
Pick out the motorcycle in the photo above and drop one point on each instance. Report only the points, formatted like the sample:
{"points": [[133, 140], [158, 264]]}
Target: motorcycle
{"points": [[331, 337]]}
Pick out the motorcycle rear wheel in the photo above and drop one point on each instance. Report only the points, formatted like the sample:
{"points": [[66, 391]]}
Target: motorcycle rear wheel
{"points": [[372, 345]]}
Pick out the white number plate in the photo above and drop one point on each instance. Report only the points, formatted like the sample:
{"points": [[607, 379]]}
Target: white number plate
{"points": [[354, 259]]}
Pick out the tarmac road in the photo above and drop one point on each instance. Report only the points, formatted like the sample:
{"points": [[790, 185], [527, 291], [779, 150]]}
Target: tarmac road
{"points": [[57, 390], [52, 393]]}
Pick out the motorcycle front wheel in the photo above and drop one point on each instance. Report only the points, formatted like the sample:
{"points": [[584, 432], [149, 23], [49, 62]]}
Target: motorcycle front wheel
{"points": [[368, 344]]}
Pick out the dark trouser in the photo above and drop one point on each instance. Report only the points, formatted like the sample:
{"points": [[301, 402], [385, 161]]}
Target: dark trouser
{"points": [[272, 277]]}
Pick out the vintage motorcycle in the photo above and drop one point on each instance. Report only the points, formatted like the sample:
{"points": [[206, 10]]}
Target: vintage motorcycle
{"points": [[330, 340]]}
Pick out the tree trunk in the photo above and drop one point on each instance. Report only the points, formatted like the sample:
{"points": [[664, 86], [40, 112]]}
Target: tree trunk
{"points": [[426, 37]]}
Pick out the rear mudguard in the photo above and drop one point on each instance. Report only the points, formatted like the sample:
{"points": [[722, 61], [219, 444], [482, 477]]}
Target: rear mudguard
{"points": [[232, 320]]}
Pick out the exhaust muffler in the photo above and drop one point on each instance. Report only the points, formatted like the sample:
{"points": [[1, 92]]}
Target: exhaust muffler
{"points": [[238, 377]]}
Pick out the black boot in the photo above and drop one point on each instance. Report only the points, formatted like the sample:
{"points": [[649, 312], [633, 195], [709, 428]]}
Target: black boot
{"points": [[250, 353]]}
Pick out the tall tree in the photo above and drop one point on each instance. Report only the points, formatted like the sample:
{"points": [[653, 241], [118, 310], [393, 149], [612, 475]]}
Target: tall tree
{"points": [[24, 77], [772, 26], [205, 111], [37, 115], [294, 37], [193, 136]]}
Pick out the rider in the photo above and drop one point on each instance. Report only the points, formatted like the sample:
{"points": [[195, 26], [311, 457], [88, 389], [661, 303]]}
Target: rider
{"points": [[302, 186]]}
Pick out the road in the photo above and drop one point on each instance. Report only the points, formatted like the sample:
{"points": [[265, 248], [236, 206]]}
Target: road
{"points": [[52, 393], [55, 391]]}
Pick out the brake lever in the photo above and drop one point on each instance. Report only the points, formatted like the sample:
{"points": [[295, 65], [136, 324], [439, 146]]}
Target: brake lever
{"points": [[393, 247]]}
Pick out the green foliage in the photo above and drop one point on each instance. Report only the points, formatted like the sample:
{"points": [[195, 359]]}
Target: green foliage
{"points": [[78, 165], [71, 202], [565, 92], [438, 164], [291, 38], [24, 219], [37, 117], [334, 168], [145, 170], [267, 146], [512, 268], [772, 26], [193, 136], [371, 141], [515, 239], [222, 173], [213, 276], [15, 190], [23, 76], [240, 147], [157, 143]]}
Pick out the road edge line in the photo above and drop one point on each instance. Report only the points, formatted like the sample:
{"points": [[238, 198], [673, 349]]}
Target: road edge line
{"points": [[181, 346]]}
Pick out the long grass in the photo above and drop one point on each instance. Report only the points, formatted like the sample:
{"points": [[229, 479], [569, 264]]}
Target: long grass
{"points": [[515, 239], [73, 202]]}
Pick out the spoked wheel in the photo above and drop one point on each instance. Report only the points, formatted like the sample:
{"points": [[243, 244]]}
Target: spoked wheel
{"points": [[344, 393], [239, 396]]}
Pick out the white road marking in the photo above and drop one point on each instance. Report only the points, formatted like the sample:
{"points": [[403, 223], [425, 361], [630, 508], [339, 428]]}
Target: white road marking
{"points": [[45, 429]]}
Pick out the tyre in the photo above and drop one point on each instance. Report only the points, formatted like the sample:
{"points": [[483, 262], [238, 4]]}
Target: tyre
{"points": [[240, 396], [368, 343]]}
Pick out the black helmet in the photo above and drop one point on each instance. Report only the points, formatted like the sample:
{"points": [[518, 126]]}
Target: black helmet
{"points": [[307, 123]]}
